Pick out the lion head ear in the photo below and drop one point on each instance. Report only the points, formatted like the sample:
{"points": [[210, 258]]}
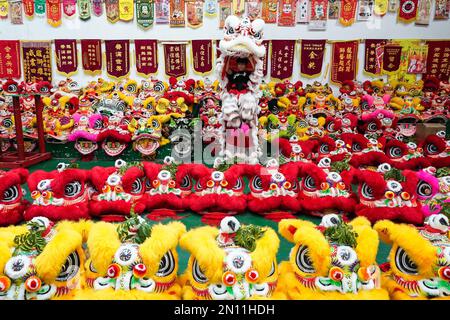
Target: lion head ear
{"points": [[288, 227], [367, 241], [266, 251], [385, 229]]}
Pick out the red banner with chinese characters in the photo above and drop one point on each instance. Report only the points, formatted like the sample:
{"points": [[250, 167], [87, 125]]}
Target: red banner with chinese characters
{"points": [[66, 56], [391, 58], [282, 60], [438, 58], [217, 49], [91, 55], [37, 64], [373, 56], [344, 58], [175, 55], [407, 10], [286, 13], [28, 8], [9, 59], [146, 56], [54, 12], [117, 57], [266, 43], [202, 56], [348, 11], [311, 53]]}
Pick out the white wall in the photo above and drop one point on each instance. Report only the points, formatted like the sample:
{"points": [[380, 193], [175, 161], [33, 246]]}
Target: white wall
{"points": [[100, 28]]}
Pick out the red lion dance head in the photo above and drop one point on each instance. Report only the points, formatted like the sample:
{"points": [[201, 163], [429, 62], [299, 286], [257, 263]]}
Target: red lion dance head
{"points": [[61, 194], [218, 192], [167, 185], [12, 204], [118, 190], [389, 194]]}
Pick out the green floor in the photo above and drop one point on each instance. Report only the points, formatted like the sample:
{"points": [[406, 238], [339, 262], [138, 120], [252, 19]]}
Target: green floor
{"points": [[192, 220]]}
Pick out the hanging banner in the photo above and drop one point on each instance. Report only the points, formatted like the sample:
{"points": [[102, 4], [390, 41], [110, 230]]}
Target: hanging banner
{"points": [[269, 11], [146, 56], [117, 58], [333, 9], [311, 57], [126, 10], [37, 64], [202, 56], [15, 11], [266, 44], [402, 73], [391, 58], [423, 12], [282, 60], [224, 12], [28, 8], [177, 12], [318, 15], [69, 8], [286, 14], [392, 5], [238, 7], [162, 8], [302, 11], [97, 7], [84, 9], [344, 58], [112, 10], [144, 13], [54, 13], [348, 10], [442, 9], [373, 56], [365, 10], [417, 59], [175, 59], [194, 11], [253, 9], [10, 59], [380, 7], [438, 64], [4, 9], [211, 7], [91, 55], [407, 10], [66, 56], [39, 7]]}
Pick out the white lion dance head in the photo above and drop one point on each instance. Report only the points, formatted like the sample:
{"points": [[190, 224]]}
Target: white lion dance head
{"points": [[240, 71]]}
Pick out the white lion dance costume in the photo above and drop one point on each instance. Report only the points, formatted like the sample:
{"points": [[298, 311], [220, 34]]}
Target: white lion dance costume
{"points": [[240, 71]]}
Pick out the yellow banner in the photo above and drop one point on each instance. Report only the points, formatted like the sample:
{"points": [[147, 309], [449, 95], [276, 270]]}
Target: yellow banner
{"points": [[126, 10]]}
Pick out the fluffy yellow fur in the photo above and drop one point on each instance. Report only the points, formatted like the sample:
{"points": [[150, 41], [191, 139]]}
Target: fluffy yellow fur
{"points": [[202, 244], [103, 243], [307, 234], [163, 238], [265, 252], [111, 294], [5, 254], [82, 227], [49, 262], [418, 248], [367, 244]]}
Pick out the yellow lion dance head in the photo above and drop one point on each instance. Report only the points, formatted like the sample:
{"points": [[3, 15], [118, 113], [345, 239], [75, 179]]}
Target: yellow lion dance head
{"points": [[41, 261], [132, 260], [334, 260], [236, 262], [419, 259]]}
